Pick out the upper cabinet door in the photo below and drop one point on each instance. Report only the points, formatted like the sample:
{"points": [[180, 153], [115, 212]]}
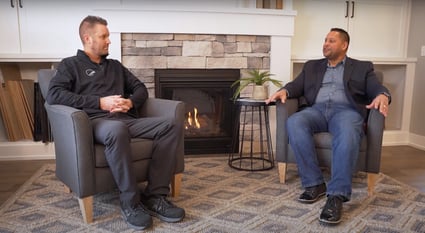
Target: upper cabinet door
{"points": [[378, 28], [9, 27], [41, 28], [51, 27], [313, 21]]}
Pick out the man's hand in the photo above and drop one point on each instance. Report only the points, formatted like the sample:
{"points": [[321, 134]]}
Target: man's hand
{"points": [[282, 95], [381, 102], [115, 103]]}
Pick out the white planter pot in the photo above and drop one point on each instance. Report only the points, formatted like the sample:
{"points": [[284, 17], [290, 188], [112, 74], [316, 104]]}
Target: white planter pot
{"points": [[260, 92]]}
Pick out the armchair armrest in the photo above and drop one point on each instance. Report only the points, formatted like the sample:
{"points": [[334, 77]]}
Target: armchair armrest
{"points": [[283, 111], [161, 107], [374, 131], [73, 138], [173, 109]]}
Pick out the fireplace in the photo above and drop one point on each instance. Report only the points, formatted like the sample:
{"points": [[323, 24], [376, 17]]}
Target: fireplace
{"points": [[209, 110]]}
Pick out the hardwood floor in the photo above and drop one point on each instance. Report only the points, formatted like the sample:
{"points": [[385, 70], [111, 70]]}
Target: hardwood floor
{"points": [[404, 163], [13, 174]]}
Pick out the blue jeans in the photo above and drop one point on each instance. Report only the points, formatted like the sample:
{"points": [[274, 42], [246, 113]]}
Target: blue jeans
{"points": [[346, 126]]}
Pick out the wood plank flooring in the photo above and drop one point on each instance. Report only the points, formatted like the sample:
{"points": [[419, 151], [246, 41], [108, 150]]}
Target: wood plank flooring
{"points": [[404, 163], [13, 174]]}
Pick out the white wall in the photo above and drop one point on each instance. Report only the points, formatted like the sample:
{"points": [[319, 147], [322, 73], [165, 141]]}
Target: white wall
{"points": [[416, 41]]}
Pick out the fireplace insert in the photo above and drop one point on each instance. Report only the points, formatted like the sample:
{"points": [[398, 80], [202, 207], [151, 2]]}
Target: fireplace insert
{"points": [[210, 112]]}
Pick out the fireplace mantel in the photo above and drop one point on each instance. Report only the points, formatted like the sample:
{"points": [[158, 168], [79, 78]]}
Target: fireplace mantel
{"points": [[279, 24], [242, 21]]}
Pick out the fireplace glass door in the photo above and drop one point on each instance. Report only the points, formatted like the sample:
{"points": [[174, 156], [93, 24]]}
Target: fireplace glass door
{"points": [[209, 110]]}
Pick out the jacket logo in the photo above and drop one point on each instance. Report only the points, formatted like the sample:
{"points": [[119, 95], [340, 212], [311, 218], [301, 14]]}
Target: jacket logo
{"points": [[90, 72]]}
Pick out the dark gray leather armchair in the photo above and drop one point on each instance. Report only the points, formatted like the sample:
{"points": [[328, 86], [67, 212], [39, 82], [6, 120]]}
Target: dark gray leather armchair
{"points": [[81, 164], [370, 150]]}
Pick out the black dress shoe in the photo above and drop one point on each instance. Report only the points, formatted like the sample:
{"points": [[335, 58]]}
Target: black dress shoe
{"points": [[312, 194], [331, 213]]}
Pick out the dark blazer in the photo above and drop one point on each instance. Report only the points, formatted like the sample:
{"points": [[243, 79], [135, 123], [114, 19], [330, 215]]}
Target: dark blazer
{"points": [[360, 82]]}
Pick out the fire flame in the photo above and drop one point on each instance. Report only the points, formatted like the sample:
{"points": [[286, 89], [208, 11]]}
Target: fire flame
{"points": [[197, 125], [193, 121]]}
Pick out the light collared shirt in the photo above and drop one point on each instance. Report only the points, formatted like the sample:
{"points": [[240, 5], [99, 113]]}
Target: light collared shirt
{"points": [[332, 89]]}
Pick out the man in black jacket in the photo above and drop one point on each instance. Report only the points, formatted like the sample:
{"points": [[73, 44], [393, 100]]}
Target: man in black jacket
{"points": [[338, 91], [110, 94]]}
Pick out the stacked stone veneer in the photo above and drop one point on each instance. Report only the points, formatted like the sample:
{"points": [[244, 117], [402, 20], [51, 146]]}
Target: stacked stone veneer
{"points": [[142, 53]]}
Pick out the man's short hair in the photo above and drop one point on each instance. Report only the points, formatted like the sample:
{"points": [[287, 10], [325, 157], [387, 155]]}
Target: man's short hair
{"points": [[88, 23], [343, 33]]}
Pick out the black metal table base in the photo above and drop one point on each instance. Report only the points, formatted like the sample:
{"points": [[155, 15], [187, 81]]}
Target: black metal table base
{"points": [[254, 151], [251, 164]]}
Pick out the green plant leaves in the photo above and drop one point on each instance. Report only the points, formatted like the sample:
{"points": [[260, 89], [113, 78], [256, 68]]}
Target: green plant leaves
{"points": [[256, 77]]}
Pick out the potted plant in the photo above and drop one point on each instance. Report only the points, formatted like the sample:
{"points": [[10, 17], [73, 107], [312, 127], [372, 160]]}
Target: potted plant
{"points": [[259, 79]]}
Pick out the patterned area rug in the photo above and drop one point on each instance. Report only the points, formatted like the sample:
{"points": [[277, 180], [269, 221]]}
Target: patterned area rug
{"points": [[218, 198]]}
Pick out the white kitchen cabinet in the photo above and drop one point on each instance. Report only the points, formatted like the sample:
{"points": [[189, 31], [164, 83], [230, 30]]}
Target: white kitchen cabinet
{"points": [[9, 27], [40, 29], [378, 28]]}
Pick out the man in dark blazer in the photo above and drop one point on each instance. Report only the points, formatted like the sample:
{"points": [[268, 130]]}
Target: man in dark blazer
{"points": [[337, 91]]}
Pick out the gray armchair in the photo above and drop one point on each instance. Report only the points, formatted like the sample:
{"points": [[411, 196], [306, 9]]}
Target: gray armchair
{"points": [[81, 164], [370, 150]]}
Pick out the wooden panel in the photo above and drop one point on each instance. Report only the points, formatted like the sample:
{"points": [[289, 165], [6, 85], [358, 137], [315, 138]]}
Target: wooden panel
{"points": [[16, 103]]}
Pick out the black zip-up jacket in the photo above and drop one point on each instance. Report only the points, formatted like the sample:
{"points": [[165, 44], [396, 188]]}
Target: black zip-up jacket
{"points": [[80, 83]]}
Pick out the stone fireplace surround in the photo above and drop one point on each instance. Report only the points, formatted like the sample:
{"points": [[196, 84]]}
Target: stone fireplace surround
{"points": [[142, 53]]}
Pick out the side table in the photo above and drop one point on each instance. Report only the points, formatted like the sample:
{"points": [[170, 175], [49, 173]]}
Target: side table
{"points": [[252, 127]]}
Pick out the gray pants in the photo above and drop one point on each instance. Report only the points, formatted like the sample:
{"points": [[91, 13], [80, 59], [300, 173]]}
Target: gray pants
{"points": [[115, 132]]}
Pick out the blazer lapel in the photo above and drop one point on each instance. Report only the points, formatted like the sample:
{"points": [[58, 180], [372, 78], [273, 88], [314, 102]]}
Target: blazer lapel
{"points": [[348, 69], [321, 70]]}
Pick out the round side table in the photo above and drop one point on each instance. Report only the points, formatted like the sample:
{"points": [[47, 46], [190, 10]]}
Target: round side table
{"points": [[254, 151]]}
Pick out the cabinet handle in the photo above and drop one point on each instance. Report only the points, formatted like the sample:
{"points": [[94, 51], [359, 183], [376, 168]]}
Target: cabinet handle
{"points": [[346, 9], [352, 9], [20, 4], [12, 3]]}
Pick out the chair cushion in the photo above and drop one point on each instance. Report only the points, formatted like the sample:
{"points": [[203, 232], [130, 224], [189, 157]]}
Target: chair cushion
{"points": [[324, 141], [140, 149]]}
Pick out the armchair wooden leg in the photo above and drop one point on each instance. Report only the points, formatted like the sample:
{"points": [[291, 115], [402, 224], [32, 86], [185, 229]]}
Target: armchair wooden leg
{"points": [[371, 181], [176, 184], [86, 206], [281, 167], [67, 189]]}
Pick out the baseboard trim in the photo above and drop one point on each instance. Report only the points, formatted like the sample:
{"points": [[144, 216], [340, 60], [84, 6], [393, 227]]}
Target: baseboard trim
{"points": [[395, 138], [39, 151], [417, 141], [26, 150], [400, 138]]}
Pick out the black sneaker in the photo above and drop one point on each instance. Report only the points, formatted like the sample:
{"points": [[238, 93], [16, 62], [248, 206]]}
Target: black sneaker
{"points": [[312, 194], [331, 213], [158, 206], [136, 217]]}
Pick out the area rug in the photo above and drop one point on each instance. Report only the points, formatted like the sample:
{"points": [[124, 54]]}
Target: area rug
{"points": [[218, 198]]}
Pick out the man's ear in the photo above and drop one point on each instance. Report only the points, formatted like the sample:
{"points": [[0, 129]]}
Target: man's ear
{"points": [[345, 45], [86, 38]]}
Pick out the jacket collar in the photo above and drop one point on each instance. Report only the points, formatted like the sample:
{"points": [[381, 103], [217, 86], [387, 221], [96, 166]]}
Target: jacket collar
{"points": [[85, 57]]}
